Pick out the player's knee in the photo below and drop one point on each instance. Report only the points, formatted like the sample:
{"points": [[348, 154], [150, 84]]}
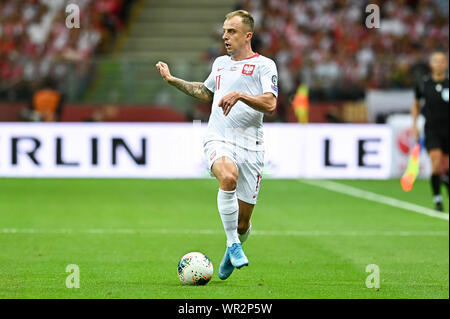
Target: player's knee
{"points": [[436, 161], [228, 181], [436, 166], [436, 170]]}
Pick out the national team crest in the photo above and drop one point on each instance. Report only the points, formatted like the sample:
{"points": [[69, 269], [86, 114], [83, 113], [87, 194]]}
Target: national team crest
{"points": [[248, 69]]}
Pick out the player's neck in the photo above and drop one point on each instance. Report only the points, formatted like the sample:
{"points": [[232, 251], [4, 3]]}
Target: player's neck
{"points": [[245, 54], [438, 77]]}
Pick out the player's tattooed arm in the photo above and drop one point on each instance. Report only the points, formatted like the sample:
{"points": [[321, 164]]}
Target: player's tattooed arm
{"points": [[194, 89]]}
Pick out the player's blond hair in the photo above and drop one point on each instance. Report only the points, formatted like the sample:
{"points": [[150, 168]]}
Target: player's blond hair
{"points": [[246, 18]]}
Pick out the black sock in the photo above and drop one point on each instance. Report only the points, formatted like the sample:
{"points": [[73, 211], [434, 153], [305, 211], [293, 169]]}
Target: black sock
{"points": [[436, 187]]}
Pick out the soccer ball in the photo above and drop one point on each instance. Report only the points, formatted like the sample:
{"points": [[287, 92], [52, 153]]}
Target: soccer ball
{"points": [[195, 269]]}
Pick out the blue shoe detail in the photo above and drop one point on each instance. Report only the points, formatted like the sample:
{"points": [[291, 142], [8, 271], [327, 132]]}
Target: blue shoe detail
{"points": [[237, 256], [225, 268]]}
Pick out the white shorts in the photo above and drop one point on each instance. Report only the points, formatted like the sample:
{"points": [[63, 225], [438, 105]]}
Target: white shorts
{"points": [[250, 166]]}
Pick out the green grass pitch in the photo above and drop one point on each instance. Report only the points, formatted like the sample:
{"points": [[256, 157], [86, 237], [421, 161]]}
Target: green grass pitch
{"points": [[127, 237]]}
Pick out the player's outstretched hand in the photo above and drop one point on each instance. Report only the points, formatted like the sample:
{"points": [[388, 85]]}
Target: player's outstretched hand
{"points": [[163, 68], [228, 101]]}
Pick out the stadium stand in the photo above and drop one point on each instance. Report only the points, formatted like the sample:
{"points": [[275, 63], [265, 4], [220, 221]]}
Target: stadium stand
{"points": [[110, 59], [35, 43], [175, 31], [326, 45]]}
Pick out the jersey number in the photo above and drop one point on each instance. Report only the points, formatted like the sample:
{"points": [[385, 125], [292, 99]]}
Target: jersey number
{"points": [[218, 82]]}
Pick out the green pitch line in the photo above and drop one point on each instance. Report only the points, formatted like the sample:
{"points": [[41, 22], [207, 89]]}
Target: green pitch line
{"points": [[126, 236]]}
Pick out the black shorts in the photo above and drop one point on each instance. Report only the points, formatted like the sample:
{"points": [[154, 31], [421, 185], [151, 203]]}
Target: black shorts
{"points": [[436, 137]]}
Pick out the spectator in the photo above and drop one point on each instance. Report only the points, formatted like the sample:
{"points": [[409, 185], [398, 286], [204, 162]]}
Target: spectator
{"points": [[46, 104]]}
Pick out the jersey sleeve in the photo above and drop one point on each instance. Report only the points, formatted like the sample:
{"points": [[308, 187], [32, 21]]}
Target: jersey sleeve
{"points": [[210, 82], [269, 78]]}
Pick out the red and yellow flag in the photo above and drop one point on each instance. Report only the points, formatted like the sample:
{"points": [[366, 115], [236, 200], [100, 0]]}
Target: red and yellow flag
{"points": [[300, 104], [408, 179]]}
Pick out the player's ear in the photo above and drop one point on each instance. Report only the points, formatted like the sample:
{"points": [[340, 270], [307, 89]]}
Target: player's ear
{"points": [[249, 35]]}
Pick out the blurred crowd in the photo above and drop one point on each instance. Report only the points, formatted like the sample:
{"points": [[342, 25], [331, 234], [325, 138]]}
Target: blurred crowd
{"points": [[326, 44], [36, 44]]}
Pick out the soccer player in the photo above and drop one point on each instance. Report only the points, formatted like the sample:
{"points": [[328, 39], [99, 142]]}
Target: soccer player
{"points": [[432, 96], [242, 87]]}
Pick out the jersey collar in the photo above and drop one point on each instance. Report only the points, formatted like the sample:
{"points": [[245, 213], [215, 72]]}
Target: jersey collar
{"points": [[253, 56]]}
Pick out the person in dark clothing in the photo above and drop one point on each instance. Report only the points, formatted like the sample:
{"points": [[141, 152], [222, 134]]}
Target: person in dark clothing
{"points": [[431, 99]]}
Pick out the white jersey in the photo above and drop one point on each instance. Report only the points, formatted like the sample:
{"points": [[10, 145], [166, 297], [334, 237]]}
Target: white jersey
{"points": [[243, 126]]}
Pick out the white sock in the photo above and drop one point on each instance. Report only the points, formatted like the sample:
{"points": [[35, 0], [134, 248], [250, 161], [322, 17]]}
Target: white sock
{"points": [[229, 212], [245, 235]]}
